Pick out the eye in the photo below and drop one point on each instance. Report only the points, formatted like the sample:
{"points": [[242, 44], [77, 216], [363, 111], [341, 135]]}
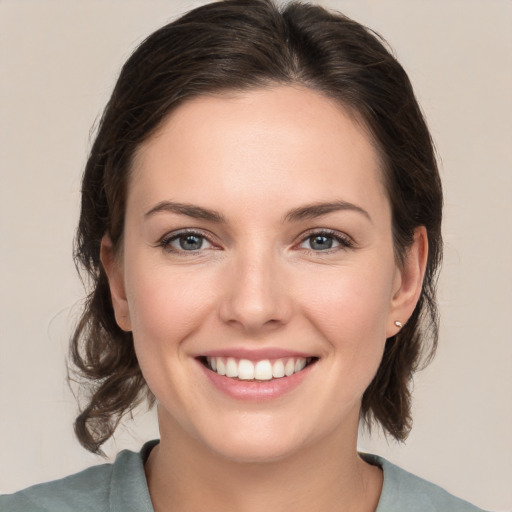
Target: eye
{"points": [[188, 241], [324, 241]]}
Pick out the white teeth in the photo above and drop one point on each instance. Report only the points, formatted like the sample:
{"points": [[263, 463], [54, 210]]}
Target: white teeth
{"points": [[289, 368], [300, 364], [221, 367], [245, 369], [263, 370], [278, 369], [231, 368]]}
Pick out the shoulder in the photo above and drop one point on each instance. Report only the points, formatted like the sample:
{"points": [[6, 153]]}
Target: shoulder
{"points": [[89, 488], [403, 491], [118, 486]]}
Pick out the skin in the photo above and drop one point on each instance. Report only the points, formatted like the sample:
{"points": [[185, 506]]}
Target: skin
{"points": [[257, 282]]}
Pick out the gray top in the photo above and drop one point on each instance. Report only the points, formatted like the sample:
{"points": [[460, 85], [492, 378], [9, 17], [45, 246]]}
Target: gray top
{"points": [[122, 487]]}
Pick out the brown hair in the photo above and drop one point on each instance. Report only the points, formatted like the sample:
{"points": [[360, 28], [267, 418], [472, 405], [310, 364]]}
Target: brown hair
{"points": [[243, 44]]}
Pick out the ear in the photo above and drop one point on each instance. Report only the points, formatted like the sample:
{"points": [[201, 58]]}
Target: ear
{"points": [[114, 270], [408, 281]]}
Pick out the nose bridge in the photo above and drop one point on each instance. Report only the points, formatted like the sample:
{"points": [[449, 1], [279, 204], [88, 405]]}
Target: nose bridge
{"points": [[256, 296]]}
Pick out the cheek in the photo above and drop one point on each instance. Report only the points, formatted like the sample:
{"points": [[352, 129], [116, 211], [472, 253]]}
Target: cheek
{"points": [[349, 308], [353, 300], [167, 308], [166, 303]]}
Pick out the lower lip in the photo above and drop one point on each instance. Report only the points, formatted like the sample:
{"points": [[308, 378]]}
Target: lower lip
{"points": [[254, 390]]}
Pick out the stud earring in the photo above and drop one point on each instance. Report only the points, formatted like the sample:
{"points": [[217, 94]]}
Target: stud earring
{"points": [[399, 324]]}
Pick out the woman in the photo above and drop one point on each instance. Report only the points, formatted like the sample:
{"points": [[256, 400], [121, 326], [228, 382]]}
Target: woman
{"points": [[260, 219]]}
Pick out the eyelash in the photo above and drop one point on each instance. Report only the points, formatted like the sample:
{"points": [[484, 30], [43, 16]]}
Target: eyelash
{"points": [[165, 241], [344, 241]]}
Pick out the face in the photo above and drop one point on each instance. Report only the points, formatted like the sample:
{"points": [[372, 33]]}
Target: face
{"points": [[258, 245]]}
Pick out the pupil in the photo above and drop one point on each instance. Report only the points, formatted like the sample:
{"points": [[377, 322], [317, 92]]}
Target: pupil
{"points": [[191, 242], [321, 242]]}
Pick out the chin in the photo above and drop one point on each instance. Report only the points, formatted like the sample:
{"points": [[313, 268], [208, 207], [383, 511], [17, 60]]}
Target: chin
{"points": [[260, 440]]}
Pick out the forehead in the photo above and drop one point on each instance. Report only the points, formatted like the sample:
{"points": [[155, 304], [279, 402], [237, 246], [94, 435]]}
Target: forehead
{"points": [[259, 141]]}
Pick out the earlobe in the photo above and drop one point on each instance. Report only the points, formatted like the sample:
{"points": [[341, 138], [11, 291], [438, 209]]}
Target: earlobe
{"points": [[115, 275], [410, 282]]}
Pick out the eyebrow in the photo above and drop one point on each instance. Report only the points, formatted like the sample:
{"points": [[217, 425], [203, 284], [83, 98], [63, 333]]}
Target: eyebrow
{"points": [[314, 210], [309, 211], [190, 210]]}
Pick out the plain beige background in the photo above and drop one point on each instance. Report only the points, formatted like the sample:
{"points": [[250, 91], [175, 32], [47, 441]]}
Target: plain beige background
{"points": [[58, 63]]}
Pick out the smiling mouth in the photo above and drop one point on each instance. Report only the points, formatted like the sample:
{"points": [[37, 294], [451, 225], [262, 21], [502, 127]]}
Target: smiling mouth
{"points": [[262, 370]]}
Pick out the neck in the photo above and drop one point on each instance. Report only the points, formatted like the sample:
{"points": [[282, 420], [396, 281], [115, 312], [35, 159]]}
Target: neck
{"points": [[184, 475]]}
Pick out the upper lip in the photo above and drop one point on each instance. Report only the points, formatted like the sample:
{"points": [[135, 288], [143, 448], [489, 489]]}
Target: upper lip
{"points": [[255, 354]]}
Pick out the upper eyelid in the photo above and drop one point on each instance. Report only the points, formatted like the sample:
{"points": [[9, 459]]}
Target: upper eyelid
{"points": [[165, 241], [325, 231], [186, 231], [345, 242]]}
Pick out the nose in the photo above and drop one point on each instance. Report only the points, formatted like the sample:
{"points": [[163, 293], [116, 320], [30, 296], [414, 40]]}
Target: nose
{"points": [[256, 297]]}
